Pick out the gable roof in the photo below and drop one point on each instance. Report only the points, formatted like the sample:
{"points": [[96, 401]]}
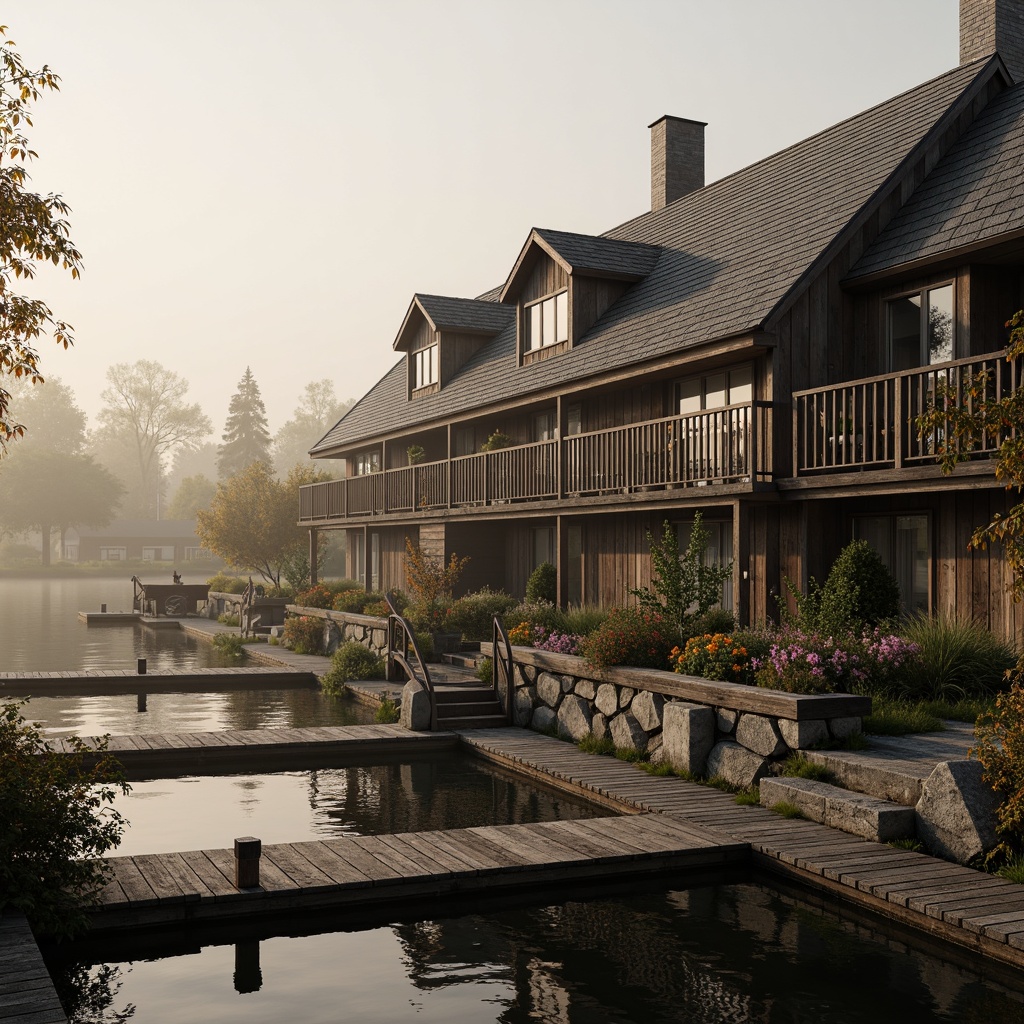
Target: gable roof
{"points": [[972, 196], [443, 312], [588, 255], [732, 254], [135, 529]]}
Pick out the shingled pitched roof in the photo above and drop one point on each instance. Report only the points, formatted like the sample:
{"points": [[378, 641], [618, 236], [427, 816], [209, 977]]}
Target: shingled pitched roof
{"points": [[442, 312], [973, 194], [732, 254]]}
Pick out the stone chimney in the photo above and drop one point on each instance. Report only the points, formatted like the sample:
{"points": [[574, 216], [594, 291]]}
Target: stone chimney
{"points": [[988, 26], [677, 159]]}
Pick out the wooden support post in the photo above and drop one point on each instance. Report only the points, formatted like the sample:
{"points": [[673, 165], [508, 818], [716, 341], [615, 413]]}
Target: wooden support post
{"points": [[741, 562], [312, 557], [142, 666], [140, 702], [247, 862], [561, 563]]}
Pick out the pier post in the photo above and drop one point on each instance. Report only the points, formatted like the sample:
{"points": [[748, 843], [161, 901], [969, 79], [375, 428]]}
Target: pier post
{"points": [[247, 862], [140, 703], [103, 609], [142, 666]]}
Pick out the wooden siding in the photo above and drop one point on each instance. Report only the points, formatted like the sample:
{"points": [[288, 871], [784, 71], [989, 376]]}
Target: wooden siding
{"points": [[456, 348], [589, 299], [546, 277]]}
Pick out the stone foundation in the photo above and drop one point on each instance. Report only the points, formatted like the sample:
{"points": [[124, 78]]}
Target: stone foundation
{"points": [[741, 733]]}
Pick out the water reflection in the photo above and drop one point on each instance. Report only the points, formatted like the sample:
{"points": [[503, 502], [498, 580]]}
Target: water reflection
{"points": [[42, 632], [714, 955], [449, 791]]}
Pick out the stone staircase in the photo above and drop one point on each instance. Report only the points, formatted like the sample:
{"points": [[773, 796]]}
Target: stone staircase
{"points": [[877, 793]]}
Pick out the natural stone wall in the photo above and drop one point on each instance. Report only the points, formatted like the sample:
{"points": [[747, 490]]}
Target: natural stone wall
{"points": [[339, 627], [713, 738]]}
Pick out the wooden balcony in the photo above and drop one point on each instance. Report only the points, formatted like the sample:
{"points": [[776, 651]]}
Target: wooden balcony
{"points": [[870, 424], [719, 446]]}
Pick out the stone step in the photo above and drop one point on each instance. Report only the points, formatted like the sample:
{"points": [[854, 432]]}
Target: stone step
{"points": [[465, 659], [459, 695], [468, 708], [856, 813], [874, 773], [472, 722]]}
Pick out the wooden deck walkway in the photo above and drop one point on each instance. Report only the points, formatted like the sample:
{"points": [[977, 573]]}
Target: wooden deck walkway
{"points": [[190, 680], [969, 908], [27, 995], [152, 753]]}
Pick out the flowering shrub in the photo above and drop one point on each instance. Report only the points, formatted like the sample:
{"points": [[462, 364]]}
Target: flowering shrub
{"points": [[639, 637], [304, 634], [378, 608], [713, 656], [352, 601], [316, 597], [351, 661], [803, 662], [1000, 750], [559, 643], [521, 635]]}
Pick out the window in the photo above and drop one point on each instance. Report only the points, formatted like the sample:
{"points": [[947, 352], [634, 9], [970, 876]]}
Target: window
{"points": [[545, 426], [463, 441], [366, 462], [718, 553], [374, 561], [113, 554], [357, 556], [547, 322], [715, 390], [158, 554], [424, 367], [903, 545], [920, 328], [543, 545]]}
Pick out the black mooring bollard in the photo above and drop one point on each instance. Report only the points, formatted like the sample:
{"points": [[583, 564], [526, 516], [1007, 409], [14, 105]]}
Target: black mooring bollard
{"points": [[103, 609], [141, 702], [142, 666], [247, 862]]}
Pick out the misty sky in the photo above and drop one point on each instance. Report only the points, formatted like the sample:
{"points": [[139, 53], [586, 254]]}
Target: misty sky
{"points": [[268, 183]]}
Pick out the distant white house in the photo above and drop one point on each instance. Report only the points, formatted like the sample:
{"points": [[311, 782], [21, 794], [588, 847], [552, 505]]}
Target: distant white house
{"points": [[150, 540]]}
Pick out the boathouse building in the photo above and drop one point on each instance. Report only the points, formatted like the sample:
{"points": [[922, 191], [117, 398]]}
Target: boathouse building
{"points": [[756, 348]]}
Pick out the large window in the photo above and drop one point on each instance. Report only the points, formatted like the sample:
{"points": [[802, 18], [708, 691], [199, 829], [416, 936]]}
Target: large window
{"points": [[920, 328], [903, 545], [424, 367], [718, 553], [715, 390], [366, 462], [547, 322]]}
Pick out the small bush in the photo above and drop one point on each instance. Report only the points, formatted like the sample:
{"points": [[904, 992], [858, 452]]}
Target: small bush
{"points": [[351, 601], [473, 615], [1012, 870], [640, 637], [543, 584], [859, 593], [496, 441], [229, 620], [224, 584], [230, 644], [717, 620], [956, 659], [350, 662], [304, 634], [315, 597], [536, 613], [485, 672], [1000, 749], [583, 619], [388, 712], [380, 609], [712, 656]]}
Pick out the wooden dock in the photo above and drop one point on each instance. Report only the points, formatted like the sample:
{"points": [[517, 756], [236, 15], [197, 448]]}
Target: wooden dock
{"points": [[191, 680], [152, 754], [27, 995]]}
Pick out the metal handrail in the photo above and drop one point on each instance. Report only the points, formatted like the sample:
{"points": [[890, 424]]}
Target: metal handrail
{"points": [[507, 665], [400, 629]]}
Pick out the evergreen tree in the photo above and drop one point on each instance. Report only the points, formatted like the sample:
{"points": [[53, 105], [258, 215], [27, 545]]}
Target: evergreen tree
{"points": [[246, 437]]}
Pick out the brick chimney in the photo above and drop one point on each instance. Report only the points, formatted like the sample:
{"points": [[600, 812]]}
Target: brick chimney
{"points": [[677, 159], [988, 26]]}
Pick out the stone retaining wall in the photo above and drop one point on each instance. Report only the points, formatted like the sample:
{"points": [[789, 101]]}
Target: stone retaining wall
{"points": [[339, 627], [741, 733]]}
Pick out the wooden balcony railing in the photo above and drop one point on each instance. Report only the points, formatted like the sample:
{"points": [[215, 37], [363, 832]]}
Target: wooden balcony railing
{"points": [[730, 445], [872, 423]]}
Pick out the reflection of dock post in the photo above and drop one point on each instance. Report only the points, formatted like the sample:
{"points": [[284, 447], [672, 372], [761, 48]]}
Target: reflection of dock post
{"points": [[248, 976], [141, 702], [247, 862]]}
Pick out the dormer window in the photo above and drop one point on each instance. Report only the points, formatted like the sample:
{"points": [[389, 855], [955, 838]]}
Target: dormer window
{"points": [[547, 321], [425, 367]]}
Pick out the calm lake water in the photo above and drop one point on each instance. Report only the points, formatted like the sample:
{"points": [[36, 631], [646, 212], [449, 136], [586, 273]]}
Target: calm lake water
{"points": [[447, 791], [41, 631], [726, 954]]}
